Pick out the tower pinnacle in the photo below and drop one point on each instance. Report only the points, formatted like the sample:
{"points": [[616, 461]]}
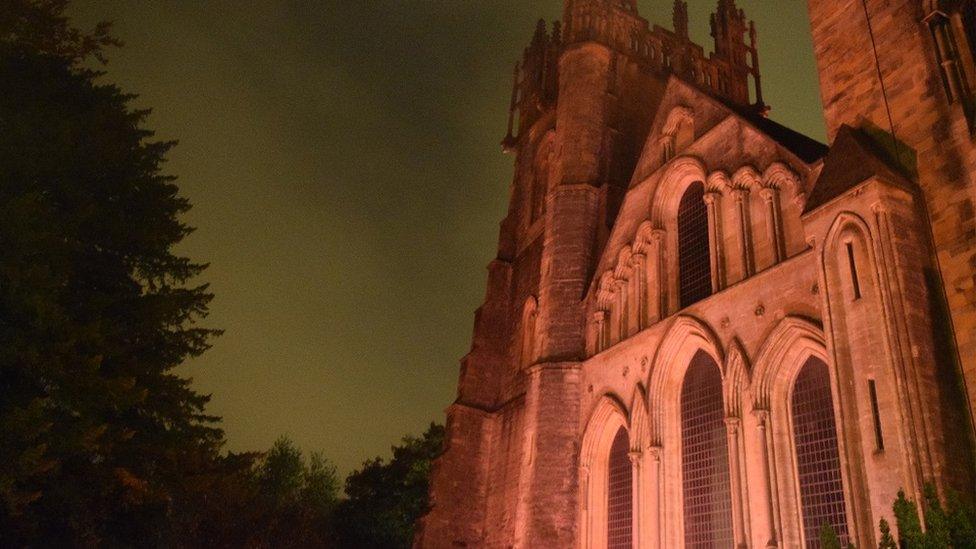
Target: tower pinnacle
{"points": [[681, 18]]}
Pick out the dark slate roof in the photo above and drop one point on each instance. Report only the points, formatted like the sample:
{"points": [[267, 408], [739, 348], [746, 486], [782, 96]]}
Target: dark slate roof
{"points": [[806, 149], [853, 158]]}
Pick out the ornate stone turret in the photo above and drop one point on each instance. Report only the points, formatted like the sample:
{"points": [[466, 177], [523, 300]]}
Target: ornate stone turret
{"points": [[536, 81], [729, 29], [681, 18]]}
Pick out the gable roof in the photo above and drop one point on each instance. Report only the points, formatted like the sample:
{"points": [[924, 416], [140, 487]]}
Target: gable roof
{"points": [[853, 158]]}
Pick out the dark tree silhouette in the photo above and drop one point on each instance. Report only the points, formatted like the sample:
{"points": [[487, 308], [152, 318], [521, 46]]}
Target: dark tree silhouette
{"points": [[100, 435]]}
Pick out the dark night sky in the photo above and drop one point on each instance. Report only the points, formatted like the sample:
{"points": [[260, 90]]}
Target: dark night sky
{"points": [[343, 162]]}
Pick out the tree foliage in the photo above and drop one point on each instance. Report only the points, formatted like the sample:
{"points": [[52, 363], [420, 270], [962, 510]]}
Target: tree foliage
{"points": [[96, 311], [950, 526], [103, 442], [385, 499]]}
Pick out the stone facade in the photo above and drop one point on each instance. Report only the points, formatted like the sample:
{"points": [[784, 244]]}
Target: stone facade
{"points": [[785, 332]]}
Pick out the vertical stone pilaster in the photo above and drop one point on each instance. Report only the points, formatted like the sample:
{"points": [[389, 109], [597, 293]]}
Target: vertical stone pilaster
{"points": [[740, 531], [768, 483], [774, 223], [657, 500], [741, 196], [636, 482], [713, 204], [638, 289]]}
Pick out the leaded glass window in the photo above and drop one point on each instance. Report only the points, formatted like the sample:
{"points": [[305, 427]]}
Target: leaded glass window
{"points": [[620, 495], [817, 455], [705, 457], [694, 259]]}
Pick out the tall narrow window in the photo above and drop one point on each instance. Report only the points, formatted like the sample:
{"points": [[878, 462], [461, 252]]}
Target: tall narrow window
{"points": [[856, 284], [878, 435], [694, 261], [705, 457], [620, 503], [817, 456]]}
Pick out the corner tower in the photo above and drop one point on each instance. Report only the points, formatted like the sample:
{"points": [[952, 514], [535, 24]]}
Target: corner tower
{"points": [[903, 71]]}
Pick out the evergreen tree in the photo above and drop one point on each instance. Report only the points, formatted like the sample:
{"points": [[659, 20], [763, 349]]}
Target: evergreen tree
{"points": [[100, 435], [936, 521], [887, 541], [909, 525], [828, 537]]}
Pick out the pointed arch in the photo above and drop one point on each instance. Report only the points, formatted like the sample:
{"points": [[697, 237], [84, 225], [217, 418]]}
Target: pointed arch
{"points": [[680, 173], [639, 420], [737, 378], [686, 336], [794, 340], [608, 418]]}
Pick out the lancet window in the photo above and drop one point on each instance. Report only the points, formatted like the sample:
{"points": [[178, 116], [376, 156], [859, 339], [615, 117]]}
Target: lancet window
{"points": [[817, 455], [704, 457], [620, 494], [694, 260]]}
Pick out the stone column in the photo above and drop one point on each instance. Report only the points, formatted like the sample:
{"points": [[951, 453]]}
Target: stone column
{"points": [[762, 427], [657, 498], [635, 464], [770, 196], [600, 321], [739, 500], [657, 283], [741, 196], [622, 289], [713, 203], [638, 292]]}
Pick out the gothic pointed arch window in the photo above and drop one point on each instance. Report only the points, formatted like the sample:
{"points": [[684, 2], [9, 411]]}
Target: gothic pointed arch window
{"points": [[620, 506], [817, 455], [694, 259], [705, 475]]}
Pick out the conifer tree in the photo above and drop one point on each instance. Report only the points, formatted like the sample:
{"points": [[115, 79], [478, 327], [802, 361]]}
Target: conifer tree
{"points": [[100, 435], [887, 540]]}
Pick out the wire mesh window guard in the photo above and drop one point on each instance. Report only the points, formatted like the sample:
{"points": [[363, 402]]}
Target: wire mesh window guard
{"points": [[704, 458], [694, 261], [620, 495], [817, 456]]}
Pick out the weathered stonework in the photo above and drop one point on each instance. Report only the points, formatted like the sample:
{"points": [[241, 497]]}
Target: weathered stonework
{"points": [[857, 260]]}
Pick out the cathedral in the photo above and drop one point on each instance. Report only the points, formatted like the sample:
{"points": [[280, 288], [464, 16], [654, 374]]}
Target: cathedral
{"points": [[703, 329]]}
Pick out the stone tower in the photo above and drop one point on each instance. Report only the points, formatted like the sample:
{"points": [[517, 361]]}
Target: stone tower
{"points": [[701, 328], [903, 70], [584, 96]]}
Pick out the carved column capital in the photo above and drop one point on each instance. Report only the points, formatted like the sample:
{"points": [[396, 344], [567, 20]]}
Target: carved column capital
{"points": [[762, 417], [712, 197], [768, 194]]}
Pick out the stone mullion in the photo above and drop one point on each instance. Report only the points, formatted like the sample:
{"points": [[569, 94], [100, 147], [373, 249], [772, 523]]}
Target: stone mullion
{"points": [[741, 196], [770, 196], [713, 202]]}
